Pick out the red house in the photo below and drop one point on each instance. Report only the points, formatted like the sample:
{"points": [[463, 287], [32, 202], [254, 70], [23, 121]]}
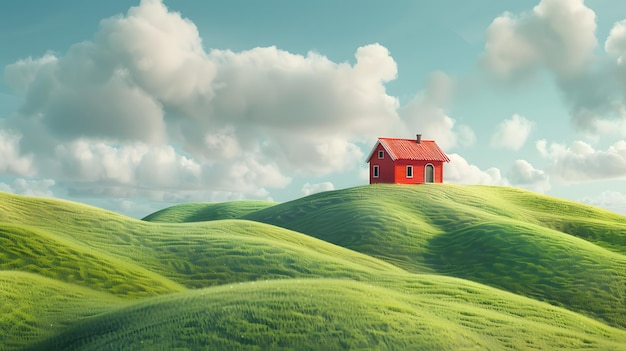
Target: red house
{"points": [[406, 161]]}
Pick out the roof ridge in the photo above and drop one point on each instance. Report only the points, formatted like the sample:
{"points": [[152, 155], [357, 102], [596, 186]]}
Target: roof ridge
{"points": [[405, 139], [411, 149]]}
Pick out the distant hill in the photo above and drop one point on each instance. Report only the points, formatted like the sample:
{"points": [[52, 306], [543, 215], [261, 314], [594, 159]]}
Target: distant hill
{"points": [[372, 267], [199, 212]]}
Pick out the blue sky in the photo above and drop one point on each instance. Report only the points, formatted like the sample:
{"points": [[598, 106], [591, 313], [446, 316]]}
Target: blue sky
{"points": [[135, 106]]}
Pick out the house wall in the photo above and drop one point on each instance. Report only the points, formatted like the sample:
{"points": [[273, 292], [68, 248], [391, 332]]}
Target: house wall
{"points": [[386, 167], [418, 171], [438, 171]]}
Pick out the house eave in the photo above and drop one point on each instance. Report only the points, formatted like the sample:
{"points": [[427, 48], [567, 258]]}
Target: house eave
{"points": [[368, 159]]}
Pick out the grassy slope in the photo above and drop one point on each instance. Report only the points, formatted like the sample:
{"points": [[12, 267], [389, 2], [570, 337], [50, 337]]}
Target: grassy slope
{"points": [[601, 227], [34, 307], [199, 212], [133, 259], [438, 313], [35, 251], [114, 254], [486, 234], [499, 236]]}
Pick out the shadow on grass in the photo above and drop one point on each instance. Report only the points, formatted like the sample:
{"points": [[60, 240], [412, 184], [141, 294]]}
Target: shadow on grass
{"points": [[536, 262]]}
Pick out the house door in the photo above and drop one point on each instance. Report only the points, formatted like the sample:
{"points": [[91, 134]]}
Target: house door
{"points": [[429, 174]]}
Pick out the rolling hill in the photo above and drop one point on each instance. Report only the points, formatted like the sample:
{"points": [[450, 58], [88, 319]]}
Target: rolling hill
{"points": [[372, 267], [499, 236], [201, 212], [321, 314]]}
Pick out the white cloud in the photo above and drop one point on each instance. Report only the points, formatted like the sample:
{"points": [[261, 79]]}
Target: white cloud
{"points": [[581, 162], [524, 175], [425, 114], [557, 34], [363, 173], [115, 171], [459, 171], [611, 200], [20, 75], [29, 187], [615, 47], [308, 188], [11, 160], [512, 133], [615, 44], [103, 116]]}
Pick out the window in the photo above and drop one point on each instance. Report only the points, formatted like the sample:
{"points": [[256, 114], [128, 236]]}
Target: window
{"points": [[381, 154], [409, 171], [429, 173], [375, 172]]}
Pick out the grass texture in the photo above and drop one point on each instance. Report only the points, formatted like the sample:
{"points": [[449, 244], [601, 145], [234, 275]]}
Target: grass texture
{"points": [[374, 267], [325, 314], [200, 212], [503, 237], [34, 307]]}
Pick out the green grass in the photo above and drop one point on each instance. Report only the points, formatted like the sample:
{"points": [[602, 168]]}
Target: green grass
{"points": [[200, 212], [374, 267], [36, 251], [324, 314], [503, 237], [34, 308], [539, 263], [140, 259]]}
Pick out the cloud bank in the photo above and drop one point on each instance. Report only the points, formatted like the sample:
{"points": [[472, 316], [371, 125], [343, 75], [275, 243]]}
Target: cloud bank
{"points": [[144, 106], [559, 37], [580, 162]]}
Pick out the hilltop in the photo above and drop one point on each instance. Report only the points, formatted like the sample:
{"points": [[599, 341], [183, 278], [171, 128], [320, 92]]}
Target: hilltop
{"points": [[379, 267]]}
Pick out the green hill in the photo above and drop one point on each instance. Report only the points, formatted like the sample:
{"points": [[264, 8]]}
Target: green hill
{"points": [[499, 236], [200, 212], [137, 257], [378, 267], [34, 307], [336, 314], [35, 251]]}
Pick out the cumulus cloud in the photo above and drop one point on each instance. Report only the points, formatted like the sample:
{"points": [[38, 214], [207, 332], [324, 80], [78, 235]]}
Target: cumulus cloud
{"points": [[102, 117], [525, 175], [308, 188], [522, 175], [156, 172], [559, 36], [425, 114], [29, 187], [615, 44], [21, 74], [556, 34], [133, 164], [11, 159], [600, 97], [581, 162], [512, 133], [459, 171]]}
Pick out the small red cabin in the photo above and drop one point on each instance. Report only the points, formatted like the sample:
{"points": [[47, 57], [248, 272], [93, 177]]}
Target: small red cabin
{"points": [[406, 161]]}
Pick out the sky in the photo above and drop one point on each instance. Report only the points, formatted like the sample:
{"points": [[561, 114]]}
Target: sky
{"points": [[134, 106]]}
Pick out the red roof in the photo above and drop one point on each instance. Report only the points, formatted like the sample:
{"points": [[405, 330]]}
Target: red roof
{"points": [[410, 149]]}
